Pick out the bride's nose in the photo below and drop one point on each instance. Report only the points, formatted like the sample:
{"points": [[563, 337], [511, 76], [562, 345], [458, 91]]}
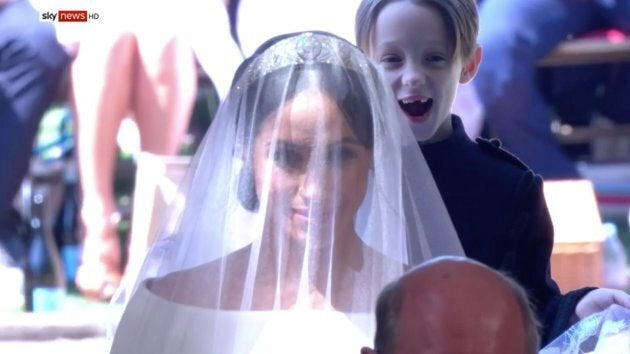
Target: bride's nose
{"points": [[312, 186]]}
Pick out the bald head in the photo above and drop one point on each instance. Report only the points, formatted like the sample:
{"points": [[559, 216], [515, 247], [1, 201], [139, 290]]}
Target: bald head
{"points": [[455, 305]]}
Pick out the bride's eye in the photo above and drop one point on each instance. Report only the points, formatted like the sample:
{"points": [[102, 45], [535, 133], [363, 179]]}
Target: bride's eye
{"points": [[288, 157], [339, 154]]}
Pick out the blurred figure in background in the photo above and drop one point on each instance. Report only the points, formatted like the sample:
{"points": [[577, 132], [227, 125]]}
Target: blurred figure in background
{"points": [[206, 26], [32, 67], [137, 65], [121, 71], [514, 36]]}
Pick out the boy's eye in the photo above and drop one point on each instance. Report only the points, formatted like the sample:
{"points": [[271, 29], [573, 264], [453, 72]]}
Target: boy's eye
{"points": [[436, 59], [390, 60]]}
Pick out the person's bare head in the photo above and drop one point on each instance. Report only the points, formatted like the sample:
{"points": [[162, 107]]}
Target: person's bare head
{"points": [[454, 305]]}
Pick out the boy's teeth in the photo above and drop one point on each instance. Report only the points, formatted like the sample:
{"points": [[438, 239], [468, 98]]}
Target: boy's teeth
{"points": [[422, 100]]}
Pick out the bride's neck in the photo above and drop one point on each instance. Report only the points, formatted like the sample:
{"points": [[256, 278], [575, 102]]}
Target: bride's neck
{"points": [[320, 273]]}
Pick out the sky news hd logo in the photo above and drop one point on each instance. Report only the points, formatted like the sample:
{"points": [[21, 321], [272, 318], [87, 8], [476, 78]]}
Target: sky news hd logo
{"points": [[69, 16]]}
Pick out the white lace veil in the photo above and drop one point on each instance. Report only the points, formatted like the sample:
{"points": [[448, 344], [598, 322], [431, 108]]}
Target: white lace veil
{"points": [[307, 196], [601, 333]]}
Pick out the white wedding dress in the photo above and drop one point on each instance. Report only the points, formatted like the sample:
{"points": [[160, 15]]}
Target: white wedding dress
{"points": [[266, 332]]}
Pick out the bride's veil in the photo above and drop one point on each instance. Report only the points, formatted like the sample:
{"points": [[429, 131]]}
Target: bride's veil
{"points": [[607, 331], [307, 196]]}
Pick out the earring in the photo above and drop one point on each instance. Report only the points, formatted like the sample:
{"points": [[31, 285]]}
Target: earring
{"points": [[247, 188]]}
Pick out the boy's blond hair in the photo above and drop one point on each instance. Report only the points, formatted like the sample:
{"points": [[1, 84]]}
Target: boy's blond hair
{"points": [[459, 16]]}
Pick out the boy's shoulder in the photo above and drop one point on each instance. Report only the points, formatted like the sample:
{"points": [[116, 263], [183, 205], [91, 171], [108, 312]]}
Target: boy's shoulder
{"points": [[493, 148]]}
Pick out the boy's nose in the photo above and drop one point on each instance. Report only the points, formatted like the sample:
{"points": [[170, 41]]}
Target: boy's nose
{"points": [[413, 76]]}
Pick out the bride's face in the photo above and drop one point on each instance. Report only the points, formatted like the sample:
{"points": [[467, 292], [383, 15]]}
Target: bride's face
{"points": [[315, 166]]}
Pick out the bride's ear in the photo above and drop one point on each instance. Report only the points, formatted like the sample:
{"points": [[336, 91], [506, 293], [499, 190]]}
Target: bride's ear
{"points": [[247, 187]]}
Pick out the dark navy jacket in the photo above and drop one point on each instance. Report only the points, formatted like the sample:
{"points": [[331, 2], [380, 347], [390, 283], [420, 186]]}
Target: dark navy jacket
{"points": [[498, 208]]}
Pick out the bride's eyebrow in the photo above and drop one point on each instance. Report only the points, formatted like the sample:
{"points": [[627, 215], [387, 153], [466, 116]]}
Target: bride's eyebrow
{"points": [[285, 144], [346, 140]]}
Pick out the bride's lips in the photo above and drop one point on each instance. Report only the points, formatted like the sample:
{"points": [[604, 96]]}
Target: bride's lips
{"points": [[310, 215], [301, 214], [416, 108]]}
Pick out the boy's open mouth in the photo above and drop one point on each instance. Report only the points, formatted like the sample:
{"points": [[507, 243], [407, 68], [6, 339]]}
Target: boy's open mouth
{"points": [[416, 108]]}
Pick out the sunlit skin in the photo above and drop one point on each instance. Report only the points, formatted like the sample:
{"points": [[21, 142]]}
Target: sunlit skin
{"points": [[318, 168], [471, 312], [411, 45], [455, 306]]}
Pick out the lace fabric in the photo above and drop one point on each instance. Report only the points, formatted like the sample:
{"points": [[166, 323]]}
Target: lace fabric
{"points": [[307, 196], [604, 332]]}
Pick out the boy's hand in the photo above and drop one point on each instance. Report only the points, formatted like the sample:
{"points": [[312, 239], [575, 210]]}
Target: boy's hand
{"points": [[599, 300]]}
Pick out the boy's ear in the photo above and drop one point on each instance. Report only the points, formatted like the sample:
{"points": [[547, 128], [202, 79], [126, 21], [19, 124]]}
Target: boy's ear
{"points": [[471, 66], [366, 350]]}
